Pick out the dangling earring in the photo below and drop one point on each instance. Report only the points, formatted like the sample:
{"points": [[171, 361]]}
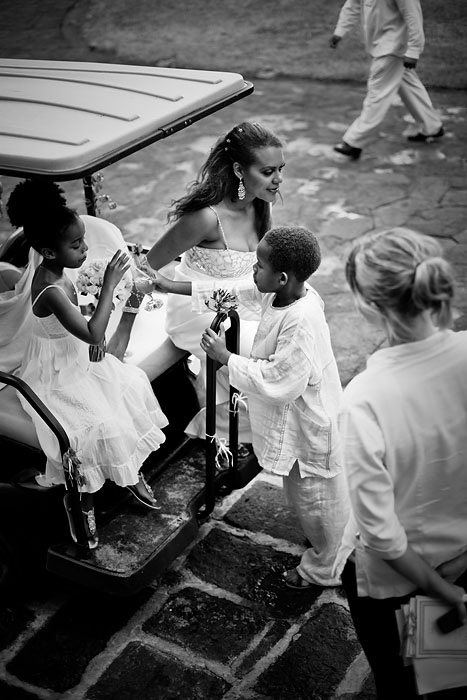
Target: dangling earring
{"points": [[241, 189]]}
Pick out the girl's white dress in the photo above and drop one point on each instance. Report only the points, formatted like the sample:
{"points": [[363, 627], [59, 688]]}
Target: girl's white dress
{"points": [[107, 408], [186, 327]]}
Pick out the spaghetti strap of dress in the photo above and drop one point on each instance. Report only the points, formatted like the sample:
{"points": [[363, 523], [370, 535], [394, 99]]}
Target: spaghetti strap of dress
{"points": [[220, 227], [49, 286]]}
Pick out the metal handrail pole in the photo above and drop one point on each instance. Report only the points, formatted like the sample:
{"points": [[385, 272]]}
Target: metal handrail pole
{"points": [[211, 447], [89, 195], [232, 343], [232, 339], [63, 443]]}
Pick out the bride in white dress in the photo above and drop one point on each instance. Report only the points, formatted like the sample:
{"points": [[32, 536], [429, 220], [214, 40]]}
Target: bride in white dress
{"points": [[216, 228]]}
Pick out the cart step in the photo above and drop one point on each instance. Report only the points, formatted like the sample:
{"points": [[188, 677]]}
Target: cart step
{"points": [[136, 545]]}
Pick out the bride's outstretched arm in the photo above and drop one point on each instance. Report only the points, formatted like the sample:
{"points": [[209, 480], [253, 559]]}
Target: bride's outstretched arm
{"points": [[190, 230]]}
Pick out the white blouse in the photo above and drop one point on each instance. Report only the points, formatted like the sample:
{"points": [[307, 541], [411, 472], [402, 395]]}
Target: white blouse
{"points": [[404, 428]]}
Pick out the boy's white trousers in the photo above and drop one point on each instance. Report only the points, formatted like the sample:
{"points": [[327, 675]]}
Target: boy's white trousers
{"points": [[322, 507]]}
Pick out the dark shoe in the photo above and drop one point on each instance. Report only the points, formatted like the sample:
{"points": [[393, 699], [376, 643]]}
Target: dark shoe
{"points": [[423, 138], [146, 495], [346, 150], [243, 451], [224, 459]]}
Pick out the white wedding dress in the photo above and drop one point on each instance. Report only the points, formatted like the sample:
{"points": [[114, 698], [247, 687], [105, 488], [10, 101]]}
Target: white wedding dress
{"points": [[185, 327], [107, 408]]}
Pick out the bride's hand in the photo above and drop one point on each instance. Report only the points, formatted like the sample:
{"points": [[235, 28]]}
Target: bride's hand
{"points": [[144, 284]]}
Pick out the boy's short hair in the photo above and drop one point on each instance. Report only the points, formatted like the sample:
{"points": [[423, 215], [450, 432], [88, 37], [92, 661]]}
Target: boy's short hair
{"points": [[293, 249]]}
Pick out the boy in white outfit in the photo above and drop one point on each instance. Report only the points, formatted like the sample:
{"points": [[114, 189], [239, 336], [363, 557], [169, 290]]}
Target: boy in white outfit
{"points": [[294, 391], [394, 38]]}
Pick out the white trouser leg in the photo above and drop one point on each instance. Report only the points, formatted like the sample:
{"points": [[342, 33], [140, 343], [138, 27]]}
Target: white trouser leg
{"points": [[322, 508], [418, 103], [383, 84]]}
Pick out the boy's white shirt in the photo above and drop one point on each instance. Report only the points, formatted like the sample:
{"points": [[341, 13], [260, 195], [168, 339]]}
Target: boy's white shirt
{"points": [[291, 381]]}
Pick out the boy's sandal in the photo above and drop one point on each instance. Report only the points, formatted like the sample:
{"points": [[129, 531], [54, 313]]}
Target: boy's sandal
{"points": [[292, 579]]}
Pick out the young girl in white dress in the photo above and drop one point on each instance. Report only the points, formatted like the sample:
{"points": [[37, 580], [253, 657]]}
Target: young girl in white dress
{"points": [[108, 409], [216, 228]]}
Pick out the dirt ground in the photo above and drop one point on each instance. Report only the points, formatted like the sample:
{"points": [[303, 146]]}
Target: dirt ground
{"points": [[256, 39]]}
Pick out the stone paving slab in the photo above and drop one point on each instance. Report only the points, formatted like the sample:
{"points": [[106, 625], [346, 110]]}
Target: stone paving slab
{"points": [[263, 509], [142, 673], [57, 655], [208, 625], [213, 558], [13, 621], [7, 692], [315, 663]]}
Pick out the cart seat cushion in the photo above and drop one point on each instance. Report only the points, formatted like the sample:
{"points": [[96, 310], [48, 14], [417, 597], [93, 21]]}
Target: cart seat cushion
{"points": [[14, 422]]}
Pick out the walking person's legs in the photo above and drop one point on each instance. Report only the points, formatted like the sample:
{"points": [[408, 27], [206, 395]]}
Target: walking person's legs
{"points": [[418, 103], [383, 84]]}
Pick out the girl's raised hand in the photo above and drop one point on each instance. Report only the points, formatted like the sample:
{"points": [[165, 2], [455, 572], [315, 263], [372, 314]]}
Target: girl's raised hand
{"points": [[115, 270]]}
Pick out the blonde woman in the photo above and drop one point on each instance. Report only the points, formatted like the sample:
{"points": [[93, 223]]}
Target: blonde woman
{"points": [[405, 448]]}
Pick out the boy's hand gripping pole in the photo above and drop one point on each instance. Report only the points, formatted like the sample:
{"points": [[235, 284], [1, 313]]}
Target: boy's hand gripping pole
{"points": [[232, 340]]}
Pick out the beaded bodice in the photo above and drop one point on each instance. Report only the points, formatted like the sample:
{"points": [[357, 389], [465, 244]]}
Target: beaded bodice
{"points": [[218, 262]]}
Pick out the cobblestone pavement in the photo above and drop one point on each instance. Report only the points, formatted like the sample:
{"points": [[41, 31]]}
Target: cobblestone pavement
{"points": [[219, 624]]}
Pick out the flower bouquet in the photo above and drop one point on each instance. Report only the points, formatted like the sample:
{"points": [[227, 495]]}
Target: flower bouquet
{"points": [[222, 301], [91, 277], [89, 282]]}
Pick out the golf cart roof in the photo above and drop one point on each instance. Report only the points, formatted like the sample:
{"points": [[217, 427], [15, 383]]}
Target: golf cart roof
{"points": [[65, 119]]}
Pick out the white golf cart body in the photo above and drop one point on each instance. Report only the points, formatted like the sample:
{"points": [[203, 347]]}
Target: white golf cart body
{"points": [[65, 121]]}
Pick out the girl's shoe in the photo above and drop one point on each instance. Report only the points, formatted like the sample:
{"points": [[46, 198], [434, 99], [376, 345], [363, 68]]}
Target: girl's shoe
{"points": [[144, 493], [89, 520], [90, 527]]}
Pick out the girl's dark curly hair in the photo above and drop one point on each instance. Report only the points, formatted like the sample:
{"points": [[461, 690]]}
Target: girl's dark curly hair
{"points": [[39, 206], [217, 180]]}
